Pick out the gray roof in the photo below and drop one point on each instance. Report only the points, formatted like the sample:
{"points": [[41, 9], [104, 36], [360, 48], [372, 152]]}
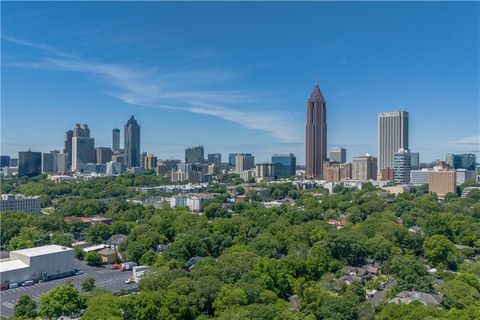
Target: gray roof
{"points": [[405, 297]]}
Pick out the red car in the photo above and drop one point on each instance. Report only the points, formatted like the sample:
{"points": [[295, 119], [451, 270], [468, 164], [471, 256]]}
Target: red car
{"points": [[3, 287]]}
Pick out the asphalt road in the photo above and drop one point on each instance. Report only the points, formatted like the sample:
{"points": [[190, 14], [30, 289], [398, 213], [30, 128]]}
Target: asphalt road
{"points": [[113, 280]]}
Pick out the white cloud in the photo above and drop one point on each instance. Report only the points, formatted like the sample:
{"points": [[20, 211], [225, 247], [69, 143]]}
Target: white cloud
{"points": [[152, 88], [471, 140]]}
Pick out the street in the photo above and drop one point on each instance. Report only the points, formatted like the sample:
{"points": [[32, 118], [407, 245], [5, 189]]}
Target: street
{"points": [[113, 280]]}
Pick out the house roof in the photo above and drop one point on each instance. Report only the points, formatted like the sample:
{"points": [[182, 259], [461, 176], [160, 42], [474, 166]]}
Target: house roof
{"points": [[425, 298], [106, 252]]}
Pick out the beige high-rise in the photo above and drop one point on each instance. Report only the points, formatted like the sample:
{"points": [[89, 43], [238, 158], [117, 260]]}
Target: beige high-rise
{"points": [[316, 134], [442, 182], [392, 135]]}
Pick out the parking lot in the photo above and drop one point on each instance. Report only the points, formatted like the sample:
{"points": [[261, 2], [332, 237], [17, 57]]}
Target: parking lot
{"points": [[113, 280]]}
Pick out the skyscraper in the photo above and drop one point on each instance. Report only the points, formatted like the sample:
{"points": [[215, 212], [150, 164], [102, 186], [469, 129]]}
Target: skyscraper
{"points": [[195, 155], [414, 160], [83, 147], [48, 164], [67, 148], [401, 166], [115, 139], [244, 161], [316, 134], [392, 135], [364, 168], [214, 158], [285, 165], [103, 155], [461, 161], [29, 163], [132, 143], [4, 161], [338, 155]]}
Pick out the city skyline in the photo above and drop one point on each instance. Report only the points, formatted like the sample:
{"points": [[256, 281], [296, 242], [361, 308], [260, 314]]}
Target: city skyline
{"points": [[256, 100]]}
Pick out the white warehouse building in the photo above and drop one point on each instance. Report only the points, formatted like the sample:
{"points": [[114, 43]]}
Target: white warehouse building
{"points": [[40, 263]]}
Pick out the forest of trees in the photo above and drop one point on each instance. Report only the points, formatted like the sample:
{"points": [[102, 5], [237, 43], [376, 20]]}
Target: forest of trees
{"points": [[252, 262]]}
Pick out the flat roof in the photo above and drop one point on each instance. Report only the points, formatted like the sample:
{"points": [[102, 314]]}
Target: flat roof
{"points": [[40, 251], [12, 265]]}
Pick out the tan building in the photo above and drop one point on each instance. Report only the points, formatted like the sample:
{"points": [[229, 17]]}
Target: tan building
{"points": [[264, 170], [442, 182], [364, 168], [150, 162], [334, 171], [386, 174]]}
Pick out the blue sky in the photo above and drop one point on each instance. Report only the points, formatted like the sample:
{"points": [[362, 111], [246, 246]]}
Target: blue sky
{"points": [[235, 77]]}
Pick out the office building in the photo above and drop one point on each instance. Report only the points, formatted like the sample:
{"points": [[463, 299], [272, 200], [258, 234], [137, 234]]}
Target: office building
{"points": [[414, 160], [19, 202], [114, 168], [464, 175], [232, 158], [115, 139], [4, 161], [401, 166], [386, 174], [392, 135], [132, 143], [419, 177], [150, 162], [338, 155], [103, 155], [67, 148], [334, 171], [461, 161], [83, 147], [316, 134], [364, 168], [195, 155], [265, 170], [48, 163], [29, 163], [442, 182], [143, 156], [285, 165], [61, 162], [13, 162], [244, 161], [215, 158], [41, 263]]}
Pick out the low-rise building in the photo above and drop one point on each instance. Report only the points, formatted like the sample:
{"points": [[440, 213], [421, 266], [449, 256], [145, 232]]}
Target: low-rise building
{"points": [[19, 202], [406, 297], [442, 182]]}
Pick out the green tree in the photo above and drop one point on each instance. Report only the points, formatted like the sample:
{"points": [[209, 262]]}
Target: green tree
{"points": [[409, 272], [93, 258], [441, 252], [215, 210], [101, 307], [459, 295], [61, 301], [228, 297], [88, 284], [25, 308]]}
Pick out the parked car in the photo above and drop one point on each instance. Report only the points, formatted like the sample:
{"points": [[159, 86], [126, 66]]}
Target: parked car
{"points": [[79, 272], [117, 266], [13, 285], [128, 266], [129, 280], [28, 283], [3, 287]]}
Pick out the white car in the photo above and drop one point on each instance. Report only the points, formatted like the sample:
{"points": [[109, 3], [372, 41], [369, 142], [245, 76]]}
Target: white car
{"points": [[128, 281]]}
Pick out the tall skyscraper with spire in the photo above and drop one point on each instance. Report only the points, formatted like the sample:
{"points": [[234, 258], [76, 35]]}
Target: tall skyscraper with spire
{"points": [[132, 143], [316, 134]]}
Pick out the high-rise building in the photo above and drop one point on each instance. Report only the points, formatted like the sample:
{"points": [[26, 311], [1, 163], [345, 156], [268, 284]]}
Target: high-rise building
{"points": [[67, 148], [83, 147], [61, 162], [29, 163], [338, 155], [334, 171], [132, 143], [401, 166], [364, 168], [195, 155], [414, 160], [115, 139], [13, 162], [461, 161], [150, 162], [386, 174], [103, 155], [244, 161], [392, 135], [48, 163], [316, 134], [232, 159], [265, 170], [4, 161], [419, 177], [442, 182], [285, 165], [215, 158]]}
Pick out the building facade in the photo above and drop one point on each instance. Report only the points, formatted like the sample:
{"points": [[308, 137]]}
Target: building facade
{"points": [[19, 202], [392, 135], [150, 162], [401, 166], [67, 148], [419, 177], [414, 160], [83, 147], [215, 158], [244, 161], [4, 161], [461, 161], [132, 143], [442, 182], [265, 170], [316, 134], [29, 163], [103, 155], [338, 155], [115, 139], [364, 168], [285, 165], [195, 155]]}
